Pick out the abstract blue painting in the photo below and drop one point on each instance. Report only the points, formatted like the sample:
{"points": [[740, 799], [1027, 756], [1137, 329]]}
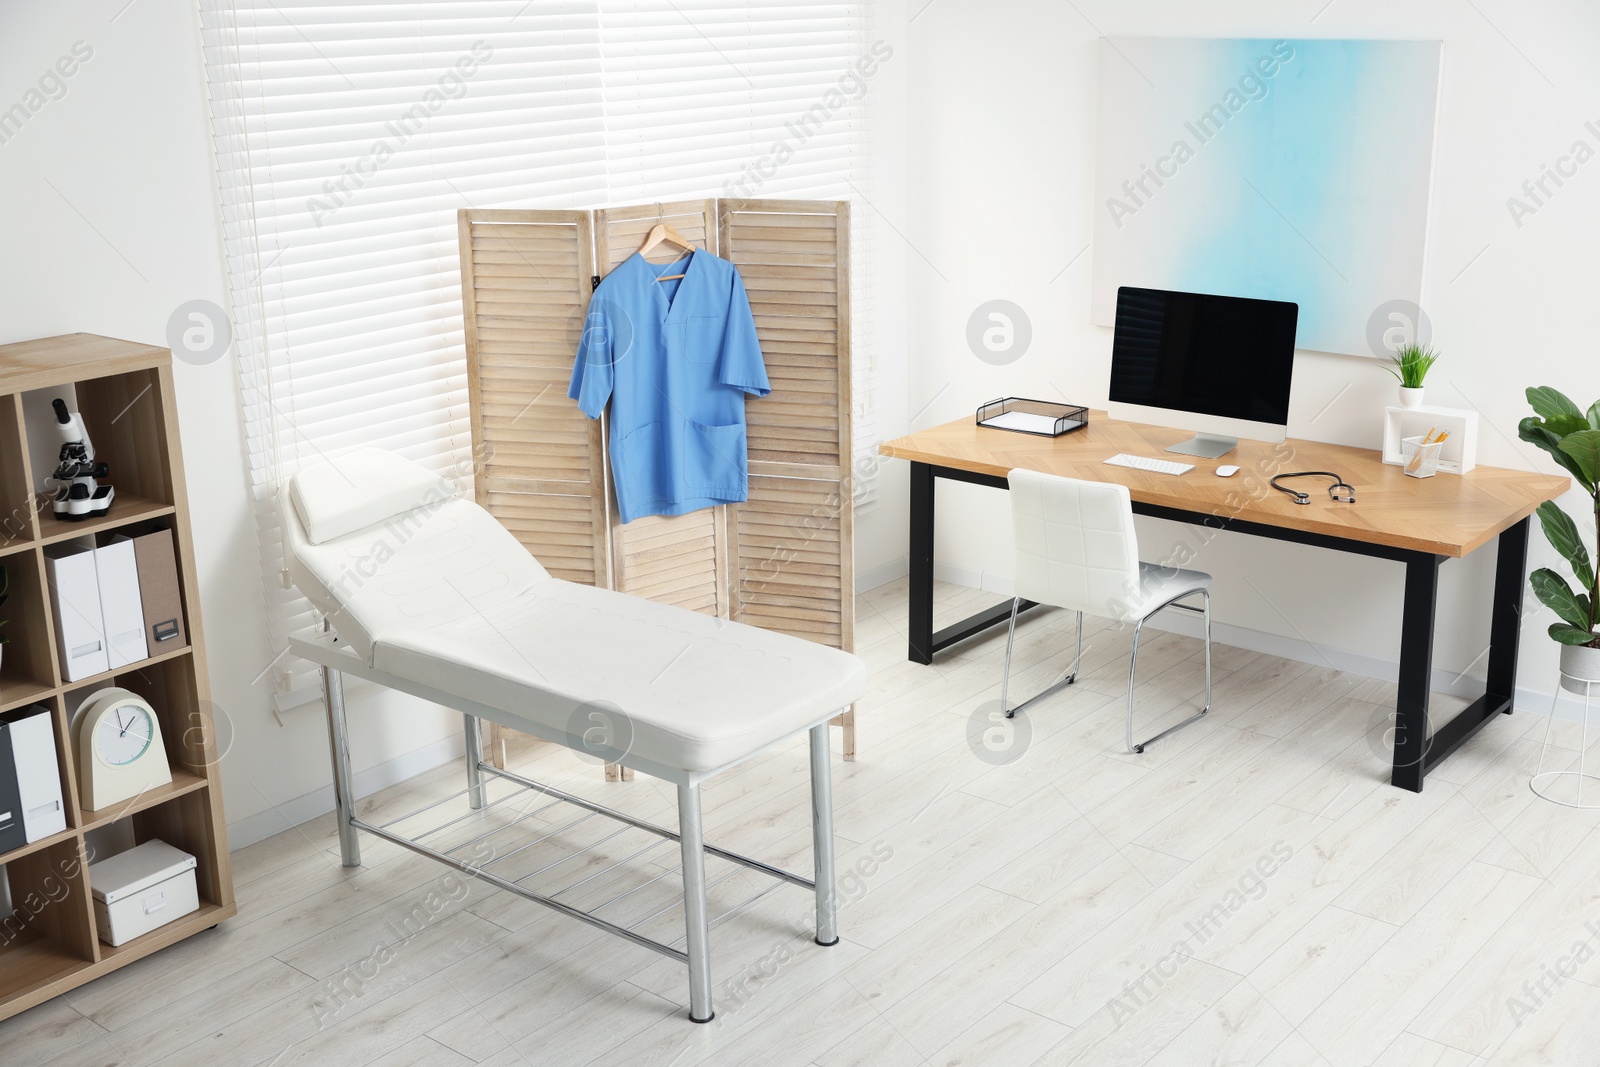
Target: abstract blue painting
{"points": [[1283, 169]]}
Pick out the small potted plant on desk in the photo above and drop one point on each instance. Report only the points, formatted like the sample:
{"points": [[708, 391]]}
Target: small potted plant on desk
{"points": [[1410, 364], [1572, 438]]}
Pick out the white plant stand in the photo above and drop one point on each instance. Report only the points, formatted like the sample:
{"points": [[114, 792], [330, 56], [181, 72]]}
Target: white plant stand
{"points": [[1543, 781]]}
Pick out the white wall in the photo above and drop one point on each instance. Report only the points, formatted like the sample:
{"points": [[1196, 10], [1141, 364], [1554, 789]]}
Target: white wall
{"points": [[1001, 201], [880, 524], [110, 222]]}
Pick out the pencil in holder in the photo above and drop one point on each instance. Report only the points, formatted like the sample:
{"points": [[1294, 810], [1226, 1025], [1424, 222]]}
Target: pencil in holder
{"points": [[1420, 460]]}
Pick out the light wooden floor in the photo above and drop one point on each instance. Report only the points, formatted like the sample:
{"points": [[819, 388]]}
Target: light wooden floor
{"points": [[1249, 891]]}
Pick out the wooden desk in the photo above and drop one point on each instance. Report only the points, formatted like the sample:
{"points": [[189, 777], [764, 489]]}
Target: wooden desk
{"points": [[1417, 522]]}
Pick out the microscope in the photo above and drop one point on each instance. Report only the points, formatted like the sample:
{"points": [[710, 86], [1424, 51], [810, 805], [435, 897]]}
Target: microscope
{"points": [[79, 494]]}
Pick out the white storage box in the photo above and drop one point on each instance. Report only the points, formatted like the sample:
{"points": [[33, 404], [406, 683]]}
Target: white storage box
{"points": [[141, 890]]}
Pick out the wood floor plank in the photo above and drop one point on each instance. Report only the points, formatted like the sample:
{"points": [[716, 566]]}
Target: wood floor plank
{"points": [[589, 1034], [963, 991], [1180, 918], [1242, 1027], [1549, 943], [1135, 1025], [1409, 1050], [1401, 882], [1006, 1035], [1388, 991], [54, 1028], [1294, 1051], [896, 966], [877, 1044], [1317, 959]]}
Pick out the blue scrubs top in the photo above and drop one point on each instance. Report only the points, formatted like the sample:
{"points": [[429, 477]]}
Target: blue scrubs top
{"points": [[676, 360]]}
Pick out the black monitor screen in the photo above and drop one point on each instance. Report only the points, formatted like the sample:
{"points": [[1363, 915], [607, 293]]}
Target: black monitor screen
{"points": [[1213, 355]]}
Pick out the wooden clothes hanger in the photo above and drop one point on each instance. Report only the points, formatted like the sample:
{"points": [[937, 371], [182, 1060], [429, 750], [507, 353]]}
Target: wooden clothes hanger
{"points": [[662, 232]]}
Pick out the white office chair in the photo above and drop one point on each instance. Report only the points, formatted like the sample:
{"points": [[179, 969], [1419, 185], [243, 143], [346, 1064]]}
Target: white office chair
{"points": [[1076, 549]]}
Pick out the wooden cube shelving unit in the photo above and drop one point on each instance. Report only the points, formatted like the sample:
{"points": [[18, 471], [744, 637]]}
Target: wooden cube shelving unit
{"points": [[49, 944]]}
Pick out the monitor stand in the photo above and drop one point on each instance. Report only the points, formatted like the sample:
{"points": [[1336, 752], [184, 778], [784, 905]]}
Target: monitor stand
{"points": [[1205, 445]]}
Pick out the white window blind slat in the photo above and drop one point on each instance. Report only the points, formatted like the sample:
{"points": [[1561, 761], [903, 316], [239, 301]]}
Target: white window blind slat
{"points": [[347, 134]]}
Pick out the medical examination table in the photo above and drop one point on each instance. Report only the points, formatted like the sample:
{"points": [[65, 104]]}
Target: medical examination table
{"points": [[426, 593]]}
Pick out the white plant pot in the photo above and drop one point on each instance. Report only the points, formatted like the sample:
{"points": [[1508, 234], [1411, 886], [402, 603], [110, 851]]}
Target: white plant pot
{"points": [[1579, 665], [1410, 398]]}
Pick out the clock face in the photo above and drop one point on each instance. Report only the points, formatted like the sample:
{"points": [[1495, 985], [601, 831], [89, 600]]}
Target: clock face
{"points": [[123, 734]]}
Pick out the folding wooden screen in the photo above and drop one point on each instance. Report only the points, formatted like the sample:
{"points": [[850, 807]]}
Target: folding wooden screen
{"points": [[783, 559]]}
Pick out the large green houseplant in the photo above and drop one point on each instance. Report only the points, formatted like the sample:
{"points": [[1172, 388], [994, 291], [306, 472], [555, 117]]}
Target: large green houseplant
{"points": [[1572, 438]]}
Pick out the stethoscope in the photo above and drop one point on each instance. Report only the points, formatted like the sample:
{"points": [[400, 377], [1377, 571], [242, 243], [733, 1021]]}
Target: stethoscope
{"points": [[1340, 490]]}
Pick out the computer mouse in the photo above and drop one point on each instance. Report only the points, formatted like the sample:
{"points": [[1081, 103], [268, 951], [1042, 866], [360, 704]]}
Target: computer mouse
{"points": [[1227, 470]]}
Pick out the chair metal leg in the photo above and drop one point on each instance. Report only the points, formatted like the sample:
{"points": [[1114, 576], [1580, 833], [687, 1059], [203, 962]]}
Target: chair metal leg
{"points": [[1005, 675], [472, 732], [822, 836], [1133, 664], [1005, 678], [691, 838], [344, 795], [1077, 652]]}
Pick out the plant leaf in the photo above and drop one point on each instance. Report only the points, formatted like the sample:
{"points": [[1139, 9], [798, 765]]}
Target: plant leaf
{"points": [[1549, 402], [1570, 635], [1594, 415], [1562, 425], [1584, 447], [1532, 431], [1554, 592], [1562, 533]]}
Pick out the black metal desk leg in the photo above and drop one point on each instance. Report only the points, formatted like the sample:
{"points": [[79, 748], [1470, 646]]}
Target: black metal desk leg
{"points": [[1416, 672], [919, 596], [1505, 623]]}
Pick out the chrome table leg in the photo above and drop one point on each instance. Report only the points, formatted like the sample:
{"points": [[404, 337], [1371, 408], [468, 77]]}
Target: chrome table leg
{"points": [[691, 838], [344, 794], [822, 836]]}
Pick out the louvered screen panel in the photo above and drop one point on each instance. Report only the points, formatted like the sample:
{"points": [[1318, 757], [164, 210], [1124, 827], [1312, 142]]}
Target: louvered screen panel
{"points": [[793, 539], [540, 463], [680, 559], [622, 230]]}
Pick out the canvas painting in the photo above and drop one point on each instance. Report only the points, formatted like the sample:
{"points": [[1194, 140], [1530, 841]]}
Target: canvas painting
{"points": [[1283, 169]]}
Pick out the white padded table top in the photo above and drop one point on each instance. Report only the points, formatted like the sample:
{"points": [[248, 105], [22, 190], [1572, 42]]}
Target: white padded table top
{"points": [[444, 596], [693, 692]]}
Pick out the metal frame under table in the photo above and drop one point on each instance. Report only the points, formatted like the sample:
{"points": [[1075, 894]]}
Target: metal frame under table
{"points": [[1418, 747], [337, 658]]}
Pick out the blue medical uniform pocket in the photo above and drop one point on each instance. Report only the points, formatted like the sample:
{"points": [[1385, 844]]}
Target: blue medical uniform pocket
{"points": [[640, 463], [702, 338], [715, 457]]}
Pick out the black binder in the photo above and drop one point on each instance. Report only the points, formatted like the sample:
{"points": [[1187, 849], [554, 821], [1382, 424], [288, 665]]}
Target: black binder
{"points": [[12, 832]]}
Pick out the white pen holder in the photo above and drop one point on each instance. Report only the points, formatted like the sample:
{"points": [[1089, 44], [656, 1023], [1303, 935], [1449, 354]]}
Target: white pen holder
{"points": [[1460, 450], [1420, 460]]}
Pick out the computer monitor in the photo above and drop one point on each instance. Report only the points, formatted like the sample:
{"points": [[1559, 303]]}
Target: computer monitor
{"points": [[1218, 365]]}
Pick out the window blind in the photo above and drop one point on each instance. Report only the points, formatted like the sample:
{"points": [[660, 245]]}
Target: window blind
{"points": [[347, 135]]}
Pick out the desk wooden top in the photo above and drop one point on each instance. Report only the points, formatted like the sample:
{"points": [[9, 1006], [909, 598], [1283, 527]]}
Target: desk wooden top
{"points": [[1448, 514]]}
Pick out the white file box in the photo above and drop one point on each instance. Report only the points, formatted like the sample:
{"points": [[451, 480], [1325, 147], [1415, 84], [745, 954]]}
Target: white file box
{"points": [[80, 626], [141, 890], [120, 603], [33, 751]]}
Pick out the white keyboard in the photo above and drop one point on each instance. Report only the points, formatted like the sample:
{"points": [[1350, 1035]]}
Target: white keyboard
{"points": [[1154, 466]]}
